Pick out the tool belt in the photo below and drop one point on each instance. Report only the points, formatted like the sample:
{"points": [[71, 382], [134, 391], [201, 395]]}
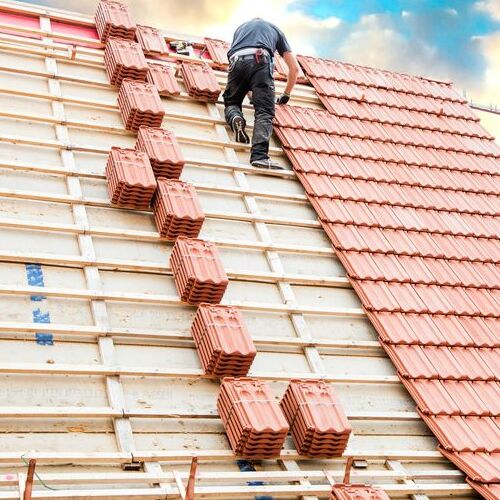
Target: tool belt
{"points": [[257, 54]]}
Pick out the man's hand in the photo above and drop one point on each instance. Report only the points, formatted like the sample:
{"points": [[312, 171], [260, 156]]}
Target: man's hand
{"points": [[283, 98]]}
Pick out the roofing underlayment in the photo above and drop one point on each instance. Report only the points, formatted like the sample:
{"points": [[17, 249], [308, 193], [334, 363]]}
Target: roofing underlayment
{"points": [[354, 295]]}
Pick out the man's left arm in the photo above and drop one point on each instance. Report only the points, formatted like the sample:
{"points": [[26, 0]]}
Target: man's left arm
{"points": [[293, 72]]}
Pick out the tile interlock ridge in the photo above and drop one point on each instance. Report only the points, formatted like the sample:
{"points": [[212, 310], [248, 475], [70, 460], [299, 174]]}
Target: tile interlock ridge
{"points": [[427, 321], [208, 97]]}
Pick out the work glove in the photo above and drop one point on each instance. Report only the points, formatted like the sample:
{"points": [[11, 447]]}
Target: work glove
{"points": [[283, 99]]}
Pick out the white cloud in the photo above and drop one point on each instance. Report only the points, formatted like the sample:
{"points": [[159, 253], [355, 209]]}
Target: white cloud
{"points": [[491, 7], [375, 41]]}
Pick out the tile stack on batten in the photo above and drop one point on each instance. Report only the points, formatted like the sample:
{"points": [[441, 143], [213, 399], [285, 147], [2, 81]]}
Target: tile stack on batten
{"points": [[222, 340], [255, 423]]}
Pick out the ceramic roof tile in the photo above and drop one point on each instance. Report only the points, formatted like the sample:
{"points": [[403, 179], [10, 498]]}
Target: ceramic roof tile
{"points": [[357, 492], [487, 491], [162, 76], [483, 467], [114, 19], [218, 51], [345, 237], [468, 400], [399, 328], [151, 40], [421, 242], [200, 81], [431, 396], [447, 363], [472, 434], [124, 59], [483, 331]]}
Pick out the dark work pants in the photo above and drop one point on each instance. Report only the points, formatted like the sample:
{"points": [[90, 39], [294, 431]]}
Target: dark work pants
{"points": [[248, 74]]}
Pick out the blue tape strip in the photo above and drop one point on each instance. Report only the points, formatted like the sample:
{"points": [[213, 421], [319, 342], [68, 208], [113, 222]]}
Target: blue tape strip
{"points": [[246, 466], [34, 277]]}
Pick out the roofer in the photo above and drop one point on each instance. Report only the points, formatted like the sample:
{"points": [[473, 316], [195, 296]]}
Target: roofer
{"points": [[251, 67]]}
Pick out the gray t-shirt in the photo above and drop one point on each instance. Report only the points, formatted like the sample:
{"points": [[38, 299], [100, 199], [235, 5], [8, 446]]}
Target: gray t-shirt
{"points": [[260, 34]]}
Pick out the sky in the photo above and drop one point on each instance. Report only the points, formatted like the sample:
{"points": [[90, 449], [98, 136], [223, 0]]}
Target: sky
{"points": [[457, 40]]}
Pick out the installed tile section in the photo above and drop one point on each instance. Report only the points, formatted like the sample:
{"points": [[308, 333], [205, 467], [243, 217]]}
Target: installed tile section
{"points": [[162, 76], [254, 423], [139, 104], [200, 82], [357, 492], [124, 59], [114, 19], [176, 209], [224, 344], [198, 272], [406, 184], [317, 421], [151, 40], [131, 182], [163, 151]]}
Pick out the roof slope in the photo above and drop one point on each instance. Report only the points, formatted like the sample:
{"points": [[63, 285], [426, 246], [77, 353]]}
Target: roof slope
{"points": [[405, 182]]}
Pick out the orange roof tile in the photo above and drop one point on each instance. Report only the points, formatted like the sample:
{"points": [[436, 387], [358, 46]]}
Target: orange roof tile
{"points": [[405, 182]]}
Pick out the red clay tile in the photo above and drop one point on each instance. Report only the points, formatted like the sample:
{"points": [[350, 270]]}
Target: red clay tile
{"points": [[432, 397], [198, 273], [398, 328], [140, 105], [475, 398], [224, 344], [162, 76], [376, 295], [357, 492], [124, 59], [163, 151], [114, 19], [130, 178], [345, 237], [487, 491], [200, 81], [482, 467], [151, 40], [218, 51], [176, 209], [462, 434], [254, 422], [318, 424]]}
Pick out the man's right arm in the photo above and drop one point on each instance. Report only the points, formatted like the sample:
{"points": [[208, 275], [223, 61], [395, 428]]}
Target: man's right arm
{"points": [[293, 72]]}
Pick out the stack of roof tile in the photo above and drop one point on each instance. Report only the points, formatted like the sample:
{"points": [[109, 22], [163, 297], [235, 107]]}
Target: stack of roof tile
{"points": [[200, 82], [318, 424], [223, 342], [163, 151], [357, 492], [151, 40], [114, 19], [217, 50], [254, 422], [405, 182], [162, 76], [177, 210], [139, 105], [124, 59], [198, 272], [131, 182]]}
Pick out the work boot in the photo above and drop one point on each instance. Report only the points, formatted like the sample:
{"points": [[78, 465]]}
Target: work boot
{"points": [[267, 163], [238, 126]]}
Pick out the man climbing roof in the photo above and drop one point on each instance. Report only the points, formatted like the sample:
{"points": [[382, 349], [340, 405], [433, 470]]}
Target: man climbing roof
{"points": [[251, 67]]}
